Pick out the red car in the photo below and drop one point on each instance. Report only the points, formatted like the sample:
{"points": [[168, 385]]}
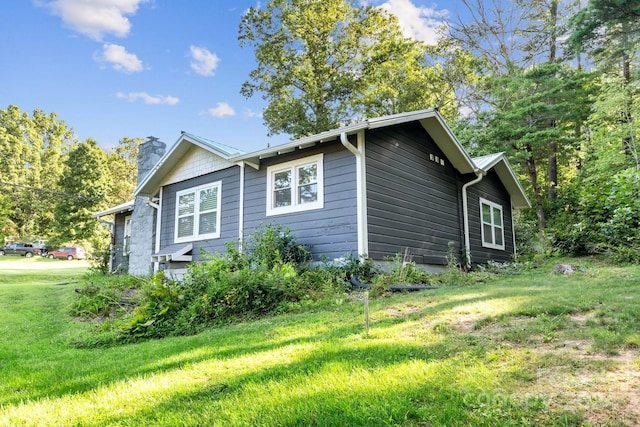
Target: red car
{"points": [[68, 252]]}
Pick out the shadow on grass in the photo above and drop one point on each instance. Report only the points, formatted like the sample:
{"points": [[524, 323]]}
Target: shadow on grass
{"points": [[328, 335]]}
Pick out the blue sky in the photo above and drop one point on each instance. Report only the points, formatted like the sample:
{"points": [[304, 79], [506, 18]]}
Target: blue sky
{"points": [[136, 68]]}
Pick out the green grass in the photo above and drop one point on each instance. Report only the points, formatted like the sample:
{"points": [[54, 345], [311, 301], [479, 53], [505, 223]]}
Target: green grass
{"points": [[528, 349]]}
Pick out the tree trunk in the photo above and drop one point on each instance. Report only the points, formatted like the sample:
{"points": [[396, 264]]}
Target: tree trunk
{"points": [[533, 177], [552, 169]]}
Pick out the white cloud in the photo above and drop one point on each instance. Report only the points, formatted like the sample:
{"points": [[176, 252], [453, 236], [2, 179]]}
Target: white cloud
{"points": [[250, 114], [418, 22], [222, 109], [203, 62], [95, 18], [119, 58], [148, 99]]}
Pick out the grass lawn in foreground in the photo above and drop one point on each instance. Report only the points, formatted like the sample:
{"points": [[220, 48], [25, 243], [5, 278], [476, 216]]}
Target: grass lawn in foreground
{"points": [[526, 349]]}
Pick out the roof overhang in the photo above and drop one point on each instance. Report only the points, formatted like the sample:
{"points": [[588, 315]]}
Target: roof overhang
{"points": [[430, 120], [124, 207], [503, 169]]}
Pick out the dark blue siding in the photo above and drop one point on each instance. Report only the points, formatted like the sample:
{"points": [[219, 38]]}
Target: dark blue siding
{"points": [[229, 216], [330, 232], [491, 189], [120, 262], [413, 201]]}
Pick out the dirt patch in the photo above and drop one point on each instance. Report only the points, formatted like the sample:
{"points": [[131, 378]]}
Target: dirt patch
{"points": [[402, 311], [604, 388]]}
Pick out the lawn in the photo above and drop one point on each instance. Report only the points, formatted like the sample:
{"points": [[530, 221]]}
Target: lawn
{"points": [[521, 349]]}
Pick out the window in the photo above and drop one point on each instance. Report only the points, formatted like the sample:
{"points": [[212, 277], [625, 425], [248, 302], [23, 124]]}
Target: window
{"points": [[126, 244], [198, 213], [295, 186], [492, 225]]}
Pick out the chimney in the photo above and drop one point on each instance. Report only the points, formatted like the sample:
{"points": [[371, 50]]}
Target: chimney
{"points": [[149, 154]]}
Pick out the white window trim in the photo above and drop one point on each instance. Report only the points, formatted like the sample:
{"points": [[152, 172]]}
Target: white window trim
{"points": [[485, 242], [293, 167], [196, 190]]}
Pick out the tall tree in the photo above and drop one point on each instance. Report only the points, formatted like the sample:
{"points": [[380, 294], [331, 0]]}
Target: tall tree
{"points": [[520, 126], [32, 151], [123, 169], [430, 76], [323, 62], [609, 30], [85, 184]]}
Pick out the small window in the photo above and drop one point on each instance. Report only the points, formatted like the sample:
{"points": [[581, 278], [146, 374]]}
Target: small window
{"points": [[198, 213], [295, 186], [492, 225]]}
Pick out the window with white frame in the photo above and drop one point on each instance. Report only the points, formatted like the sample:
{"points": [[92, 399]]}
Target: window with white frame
{"points": [[295, 186], [492, 225], [198, 213]]}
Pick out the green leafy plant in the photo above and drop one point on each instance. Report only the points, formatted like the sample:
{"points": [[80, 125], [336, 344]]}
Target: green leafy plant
{"points": [[272, 244]]}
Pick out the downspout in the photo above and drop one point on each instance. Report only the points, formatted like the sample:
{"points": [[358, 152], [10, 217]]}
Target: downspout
{"points": [[513, 233], [156, 206], [465, 216], [361, 201], [241, 208]]}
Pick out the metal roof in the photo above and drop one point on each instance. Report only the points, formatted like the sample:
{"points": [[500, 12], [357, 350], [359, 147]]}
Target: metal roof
{"points": [[501, 165], [430, 120], [124, 207]]}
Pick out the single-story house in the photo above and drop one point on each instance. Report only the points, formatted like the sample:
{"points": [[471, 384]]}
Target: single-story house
{"points": [[378, 187]]}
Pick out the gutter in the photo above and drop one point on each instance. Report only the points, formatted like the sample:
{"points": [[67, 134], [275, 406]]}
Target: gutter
{"points": [[465, 215], [241, 208]]}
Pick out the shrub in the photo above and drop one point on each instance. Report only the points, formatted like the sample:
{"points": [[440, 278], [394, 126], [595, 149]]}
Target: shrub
{"points": [[269, 245], [105, 296], [270, 276]]}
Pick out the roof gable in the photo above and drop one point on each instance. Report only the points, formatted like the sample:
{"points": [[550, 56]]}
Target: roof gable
{"points": [[430, 119], [171, 160], [501, 165]]}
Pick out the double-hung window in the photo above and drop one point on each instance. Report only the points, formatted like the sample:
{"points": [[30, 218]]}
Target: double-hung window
{"points": [[198, 213], [295, 186], [492, 225]]}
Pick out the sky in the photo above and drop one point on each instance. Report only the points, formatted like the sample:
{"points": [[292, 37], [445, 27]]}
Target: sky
{"points": [[136, 68]]}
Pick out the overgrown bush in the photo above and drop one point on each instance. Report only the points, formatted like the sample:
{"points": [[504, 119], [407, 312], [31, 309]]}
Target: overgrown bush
{"points": [[269, 276], [106, 296], [269, 245], [605, 219]]}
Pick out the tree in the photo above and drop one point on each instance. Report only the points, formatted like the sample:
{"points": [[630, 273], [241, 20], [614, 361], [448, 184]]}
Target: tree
{"points": [[520, 126], [32, 151], [123, 170], [609, 30], [430, 76], [85, 184], [323, 62]]}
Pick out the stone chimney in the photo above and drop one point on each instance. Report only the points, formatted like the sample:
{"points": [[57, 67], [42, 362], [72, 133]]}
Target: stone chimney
{"points": [[144, 217]]}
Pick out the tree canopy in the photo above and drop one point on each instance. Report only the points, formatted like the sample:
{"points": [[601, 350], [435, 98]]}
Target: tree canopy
{"points": [[325, 62], [50, 184]]}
